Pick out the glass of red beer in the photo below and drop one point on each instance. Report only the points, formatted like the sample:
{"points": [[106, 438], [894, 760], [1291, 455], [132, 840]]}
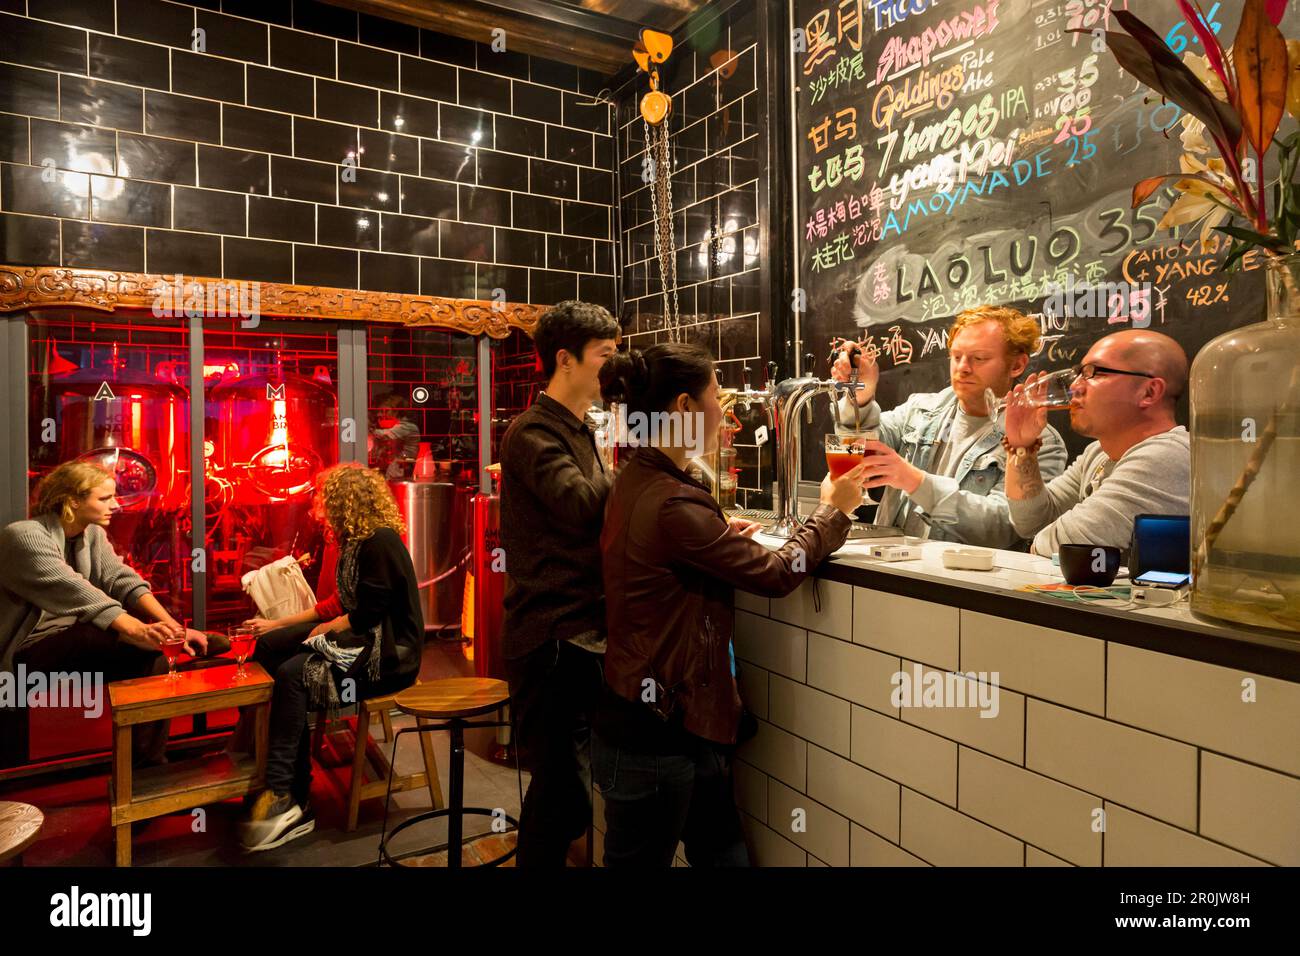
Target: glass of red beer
{"points": [[242, 641], [844, 453], [173, 646]]}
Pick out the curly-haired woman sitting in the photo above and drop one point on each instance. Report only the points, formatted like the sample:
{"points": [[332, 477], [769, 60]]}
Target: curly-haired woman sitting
{"points": [[375, 644]]}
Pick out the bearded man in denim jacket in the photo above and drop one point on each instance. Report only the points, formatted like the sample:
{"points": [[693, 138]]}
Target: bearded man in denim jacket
{"points": [[939, 455]]}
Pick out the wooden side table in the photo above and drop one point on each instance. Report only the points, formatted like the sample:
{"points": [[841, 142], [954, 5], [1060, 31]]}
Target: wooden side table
{"points": [[20, 823], [155, 791]]}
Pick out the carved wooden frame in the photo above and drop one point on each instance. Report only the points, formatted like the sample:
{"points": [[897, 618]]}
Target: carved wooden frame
{"points": [[46, 287]]}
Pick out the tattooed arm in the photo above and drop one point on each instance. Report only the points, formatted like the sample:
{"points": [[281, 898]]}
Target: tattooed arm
{"points": [[1032, 503], [1024, 425], [1035, 505], [1024, 480]]}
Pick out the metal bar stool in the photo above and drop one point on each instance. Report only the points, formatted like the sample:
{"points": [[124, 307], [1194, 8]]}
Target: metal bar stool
{"points": [[451, 701]]}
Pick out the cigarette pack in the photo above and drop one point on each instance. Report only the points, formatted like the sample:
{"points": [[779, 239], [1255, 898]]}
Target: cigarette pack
{"points": [[895, 552]]}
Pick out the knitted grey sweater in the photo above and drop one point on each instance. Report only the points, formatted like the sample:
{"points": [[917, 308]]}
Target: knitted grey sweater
{"points": [[34, 577], [1096, 500]]}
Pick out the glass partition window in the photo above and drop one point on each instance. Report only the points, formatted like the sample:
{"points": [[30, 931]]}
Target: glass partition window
{"points": [[114, 391], [516, 380], [270, 406], [423, 403]]}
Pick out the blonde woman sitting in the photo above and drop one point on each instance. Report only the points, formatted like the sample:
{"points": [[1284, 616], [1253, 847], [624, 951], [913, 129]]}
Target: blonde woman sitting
{"points": [[69, 603]]}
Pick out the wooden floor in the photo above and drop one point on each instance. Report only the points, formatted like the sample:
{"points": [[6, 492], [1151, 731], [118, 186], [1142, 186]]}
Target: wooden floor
{"points": [[76, 831], [490, 846], [474, 853]]}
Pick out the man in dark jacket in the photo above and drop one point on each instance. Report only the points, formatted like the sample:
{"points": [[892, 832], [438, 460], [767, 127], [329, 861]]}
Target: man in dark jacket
{"points": [[553, 488]]}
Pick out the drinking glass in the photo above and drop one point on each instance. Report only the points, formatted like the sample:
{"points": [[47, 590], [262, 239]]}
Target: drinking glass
{"points": [[173, 647], [1052, 391], [242, 641], [844, 453]]}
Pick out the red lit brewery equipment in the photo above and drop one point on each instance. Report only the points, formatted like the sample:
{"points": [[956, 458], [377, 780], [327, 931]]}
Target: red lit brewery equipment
{"points": [[268, 436]]}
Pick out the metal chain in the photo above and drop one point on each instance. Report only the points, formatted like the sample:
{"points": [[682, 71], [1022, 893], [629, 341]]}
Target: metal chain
{"points": [[661, 208]]}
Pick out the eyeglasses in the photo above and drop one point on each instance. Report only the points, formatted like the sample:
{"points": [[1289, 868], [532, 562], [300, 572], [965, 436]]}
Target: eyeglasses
{"points": [[1087, 370]]}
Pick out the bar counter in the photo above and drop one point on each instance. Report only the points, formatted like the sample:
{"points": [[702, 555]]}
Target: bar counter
{"points": [[1121, 736]]}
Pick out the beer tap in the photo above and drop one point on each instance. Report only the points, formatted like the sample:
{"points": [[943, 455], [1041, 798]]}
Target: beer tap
{"points": [[748, 396], [852, 385], [790, 397]]}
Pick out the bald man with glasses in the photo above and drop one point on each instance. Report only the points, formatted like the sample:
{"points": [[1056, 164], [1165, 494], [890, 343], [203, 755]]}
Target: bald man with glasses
{"points": [[1123, 395]]}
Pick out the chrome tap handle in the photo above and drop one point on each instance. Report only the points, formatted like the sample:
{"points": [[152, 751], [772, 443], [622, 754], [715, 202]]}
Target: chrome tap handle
{"points": [[834, 394], [771, 374]]}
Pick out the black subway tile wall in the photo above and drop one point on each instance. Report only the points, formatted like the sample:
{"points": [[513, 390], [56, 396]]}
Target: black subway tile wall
{"points": [[716, 136], [295, 141]]}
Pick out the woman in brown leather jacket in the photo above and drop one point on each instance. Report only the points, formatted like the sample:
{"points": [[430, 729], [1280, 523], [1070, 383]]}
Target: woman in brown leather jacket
{"points": [[670, 714]]}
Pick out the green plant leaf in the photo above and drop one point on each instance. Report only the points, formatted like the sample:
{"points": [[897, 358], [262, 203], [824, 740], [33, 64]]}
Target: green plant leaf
{"points": [[1250, 236], [1235, 252]]}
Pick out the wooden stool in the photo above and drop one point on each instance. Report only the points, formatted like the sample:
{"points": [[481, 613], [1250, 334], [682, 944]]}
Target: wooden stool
{"points": [[155, 791], [20, 823], [366, 752], [451, 701]]}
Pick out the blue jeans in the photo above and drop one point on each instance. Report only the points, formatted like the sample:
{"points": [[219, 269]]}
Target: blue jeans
{"points": [[652, 801]]}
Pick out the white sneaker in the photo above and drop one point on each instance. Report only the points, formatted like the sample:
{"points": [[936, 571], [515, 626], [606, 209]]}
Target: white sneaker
{"points": [[273, 821]]}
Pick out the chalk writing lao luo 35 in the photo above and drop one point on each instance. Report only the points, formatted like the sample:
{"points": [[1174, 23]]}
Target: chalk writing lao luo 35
{"points": [[1008, 267]]}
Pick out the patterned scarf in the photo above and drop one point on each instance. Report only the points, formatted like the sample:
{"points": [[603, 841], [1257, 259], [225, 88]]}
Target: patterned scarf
{"points": [[321, 692]]}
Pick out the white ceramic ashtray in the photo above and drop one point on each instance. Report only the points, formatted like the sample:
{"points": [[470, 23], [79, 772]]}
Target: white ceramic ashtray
{"points": [[968, 559]]}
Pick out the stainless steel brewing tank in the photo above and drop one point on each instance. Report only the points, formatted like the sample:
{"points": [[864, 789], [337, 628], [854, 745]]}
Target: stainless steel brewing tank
{"points": [[437, 535]]}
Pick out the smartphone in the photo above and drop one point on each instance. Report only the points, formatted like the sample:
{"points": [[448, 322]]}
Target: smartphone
{"points": [[1162, 579]]}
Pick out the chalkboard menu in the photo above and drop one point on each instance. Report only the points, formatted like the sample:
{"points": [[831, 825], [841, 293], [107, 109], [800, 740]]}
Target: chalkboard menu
{"points": [[959, 152]]}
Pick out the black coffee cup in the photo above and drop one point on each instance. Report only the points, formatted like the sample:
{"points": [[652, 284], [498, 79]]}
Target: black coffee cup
{"points": [[1092, 564]]}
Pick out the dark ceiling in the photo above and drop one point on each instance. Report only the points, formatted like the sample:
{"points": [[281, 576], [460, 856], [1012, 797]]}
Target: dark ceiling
{"points": [[596, 34]]}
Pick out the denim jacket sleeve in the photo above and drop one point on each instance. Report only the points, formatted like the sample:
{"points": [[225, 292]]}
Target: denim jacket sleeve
{"points": [[984, 519]]}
